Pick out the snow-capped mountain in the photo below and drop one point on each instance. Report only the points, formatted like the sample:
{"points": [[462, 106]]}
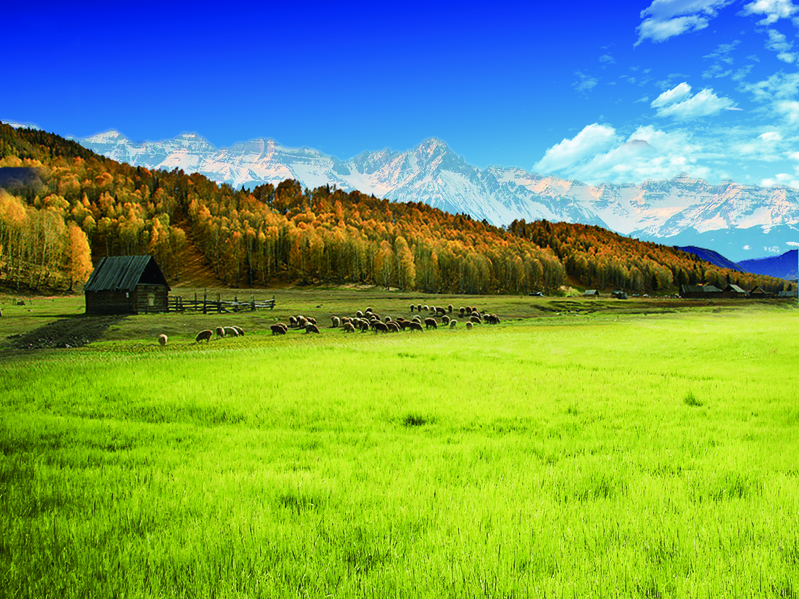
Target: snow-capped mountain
{"points": [[432, 173]]}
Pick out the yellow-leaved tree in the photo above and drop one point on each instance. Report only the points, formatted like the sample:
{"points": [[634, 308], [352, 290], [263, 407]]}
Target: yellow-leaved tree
{"points": [[79, 256]]}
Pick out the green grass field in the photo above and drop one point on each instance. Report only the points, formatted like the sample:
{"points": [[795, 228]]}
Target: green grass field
{"points": [[639, 450]]}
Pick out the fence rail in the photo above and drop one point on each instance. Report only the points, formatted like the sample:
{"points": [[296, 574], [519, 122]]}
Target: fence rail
{"points": [[177, 303]]}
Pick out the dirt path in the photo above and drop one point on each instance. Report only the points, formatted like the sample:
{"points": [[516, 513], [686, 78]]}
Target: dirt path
{"points": [[75, 331]]}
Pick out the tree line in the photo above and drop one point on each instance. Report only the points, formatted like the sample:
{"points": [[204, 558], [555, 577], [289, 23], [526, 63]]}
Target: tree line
{"points": [[90, 205]]}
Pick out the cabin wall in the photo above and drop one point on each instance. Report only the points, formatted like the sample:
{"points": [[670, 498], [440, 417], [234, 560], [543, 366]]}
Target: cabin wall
{"points": [[148, 299], [108, 302]]}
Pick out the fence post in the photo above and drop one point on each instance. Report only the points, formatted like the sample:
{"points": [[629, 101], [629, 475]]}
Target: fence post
{"points": [[205, 300]]}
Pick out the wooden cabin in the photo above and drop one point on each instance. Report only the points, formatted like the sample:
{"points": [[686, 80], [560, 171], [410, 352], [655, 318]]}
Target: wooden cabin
{"points": [[126, 285], [700, 291], [758, 293], [591, 293], [733, 291]]}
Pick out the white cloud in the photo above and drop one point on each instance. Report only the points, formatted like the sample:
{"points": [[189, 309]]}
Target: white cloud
{"points": [[777, 87], [773, 10], [607, 59], [664, 19], [592, 140], [777, 42], [648, 153], [705, 103], [788, 109], [792, 243], [682, 91], [586, 82], [770, 136], [782, 179]]}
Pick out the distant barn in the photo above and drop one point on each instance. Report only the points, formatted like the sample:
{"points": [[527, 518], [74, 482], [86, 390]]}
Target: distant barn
{"points": [[591, 293], [700, 291], [126, 285], [734, 291]]}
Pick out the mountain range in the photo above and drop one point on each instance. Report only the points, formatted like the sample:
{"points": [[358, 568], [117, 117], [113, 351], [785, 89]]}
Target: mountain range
{"points": [[737, 220]]}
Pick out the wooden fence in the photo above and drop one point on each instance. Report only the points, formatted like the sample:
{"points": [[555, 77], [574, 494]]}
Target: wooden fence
{"points": [[177, 303]]}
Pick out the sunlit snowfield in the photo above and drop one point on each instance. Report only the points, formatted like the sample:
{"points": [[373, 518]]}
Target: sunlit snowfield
{"points": [[632, 455]]}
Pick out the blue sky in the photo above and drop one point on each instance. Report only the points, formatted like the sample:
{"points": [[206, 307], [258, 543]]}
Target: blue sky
{"points": [[589, 90]]}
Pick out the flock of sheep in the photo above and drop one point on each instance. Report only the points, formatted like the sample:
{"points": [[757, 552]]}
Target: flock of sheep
{"points": [[366, 320], [369, 320]]}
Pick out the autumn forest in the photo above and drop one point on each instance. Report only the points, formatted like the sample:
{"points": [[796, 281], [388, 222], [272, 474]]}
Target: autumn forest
{"points": [[75, 206]]}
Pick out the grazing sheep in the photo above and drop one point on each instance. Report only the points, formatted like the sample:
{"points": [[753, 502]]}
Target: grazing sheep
{"points": [[440, 311], [231, 332], [430, 322], [445, 319], [279, 329], [427, 308], [292, 321], [239, 330], [310, 319], [364, 325], [415, 326], [336, 322], [302, 322], [379, 326], [469, 326], [359, 314], [162, 339], [348, 328], [373, 316], [461, 311], [418, 319], [204, 336], [368, 310], [450, 308], [220, 331], [311, 328], [393, 326], [346, 320], [413, 306], [475, 319], [453, 323]]}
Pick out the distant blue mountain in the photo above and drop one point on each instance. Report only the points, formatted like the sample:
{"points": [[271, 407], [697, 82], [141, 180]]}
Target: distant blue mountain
{"points": [[713, 257], [785, 266], [736, 244]]}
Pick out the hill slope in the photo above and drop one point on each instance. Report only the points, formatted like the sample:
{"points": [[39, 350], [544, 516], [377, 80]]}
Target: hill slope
{"points": [[785, 266]]}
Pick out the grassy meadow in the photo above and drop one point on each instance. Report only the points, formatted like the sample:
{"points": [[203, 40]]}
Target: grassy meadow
{"points": [[637, 450]]}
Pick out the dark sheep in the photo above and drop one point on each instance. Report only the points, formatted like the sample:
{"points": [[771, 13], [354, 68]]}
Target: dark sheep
{"points": [[418, 319], [450, 308], [231, 332], [415, 326], [406, 324], [311, 328], [220, 331], [461, 311], [310, 319], [292, 321], [445, 319], [278, 329], [359, 314], [204, 336], [469, 326], [348, 328], [364, 325], [393, 327], [413, 307], [453, 323], [368, 310], [239, 330], [440, 311], [418, 307], [430, 322], [475, 319], [379, 326]]}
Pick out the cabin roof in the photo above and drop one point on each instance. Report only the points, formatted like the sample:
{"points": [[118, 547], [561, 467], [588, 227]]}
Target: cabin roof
{"points": [[123, 273]]}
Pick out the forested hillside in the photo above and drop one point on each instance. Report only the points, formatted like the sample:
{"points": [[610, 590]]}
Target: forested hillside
{"points": [[85, 205]]}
